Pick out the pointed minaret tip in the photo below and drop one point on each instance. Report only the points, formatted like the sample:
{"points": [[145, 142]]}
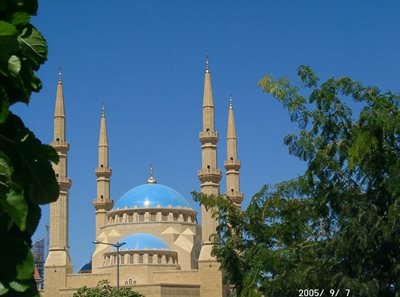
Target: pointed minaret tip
{"points": [[103, 140], [151, 179], [207, 66], [231, 131]]}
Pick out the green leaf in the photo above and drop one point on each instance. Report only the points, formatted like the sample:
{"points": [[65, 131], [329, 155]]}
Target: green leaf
{"points": [[19, 287], [3, 289], [26, 266], [8, 44], [20, 18], [5, 175], [16, 206], [7, 30], [30, 160], [33, 46], [14, 65]]}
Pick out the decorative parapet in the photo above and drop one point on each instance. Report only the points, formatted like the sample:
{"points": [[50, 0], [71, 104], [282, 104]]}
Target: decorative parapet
{"points": [[209, 175], [106, 205], [60, 146], [103, 172], [151, 215], [64, 183], [140, 257], [208, 137], [236, 197], [232, 165]]}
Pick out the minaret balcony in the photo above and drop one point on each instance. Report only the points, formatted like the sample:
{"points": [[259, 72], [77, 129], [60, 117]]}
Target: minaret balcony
{"points": [[103, 172], [105, 204], [60, 146], [209, 175], [232, 164], [236, 197], [208, 137], [64, 183]]}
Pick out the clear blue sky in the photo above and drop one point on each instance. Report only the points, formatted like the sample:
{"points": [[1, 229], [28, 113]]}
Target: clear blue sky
{"points": [[145, 60]]}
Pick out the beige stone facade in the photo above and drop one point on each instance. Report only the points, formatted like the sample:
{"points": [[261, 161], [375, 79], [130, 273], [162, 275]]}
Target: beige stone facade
{"points": [[151, 234]]}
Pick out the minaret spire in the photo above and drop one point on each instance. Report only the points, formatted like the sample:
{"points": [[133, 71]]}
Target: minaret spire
{"points": [[59, 209], [58, 255], [232, 164], [211, 284], [208, 102], [59, 111], [103, 202]]}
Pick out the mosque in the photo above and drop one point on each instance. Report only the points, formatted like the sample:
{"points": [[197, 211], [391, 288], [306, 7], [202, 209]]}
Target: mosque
{"points": [[149, 239]]}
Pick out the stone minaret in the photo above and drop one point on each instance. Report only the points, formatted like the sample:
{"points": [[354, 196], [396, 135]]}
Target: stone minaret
{"points": [[209, 175], [103, 202], [232, 164], [58, 262]]}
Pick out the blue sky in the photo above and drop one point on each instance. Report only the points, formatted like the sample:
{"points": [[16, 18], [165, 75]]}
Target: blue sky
{"points": [[145, 60]]}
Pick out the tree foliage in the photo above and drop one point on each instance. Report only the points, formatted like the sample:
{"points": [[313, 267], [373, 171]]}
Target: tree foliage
{"points": [[104, 289], [337, 226], [26, 175]]}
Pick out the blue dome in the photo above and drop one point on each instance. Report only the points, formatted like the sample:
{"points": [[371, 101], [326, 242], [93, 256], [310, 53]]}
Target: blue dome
{"points": [[151, 196], [87, 268], [143, 241]]}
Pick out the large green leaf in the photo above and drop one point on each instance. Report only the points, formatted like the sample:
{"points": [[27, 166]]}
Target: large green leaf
{"points": [[30, 160], [8, 44], [33, 46], [16, 270]]}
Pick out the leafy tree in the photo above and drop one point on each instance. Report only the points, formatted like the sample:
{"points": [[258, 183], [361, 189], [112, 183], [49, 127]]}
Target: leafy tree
{"points": [[26, 175], [104, 289], [335, 227]]}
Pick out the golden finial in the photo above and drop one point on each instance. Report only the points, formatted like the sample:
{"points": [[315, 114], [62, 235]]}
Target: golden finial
{"points": [[103, 110], [230, 101], [207, 66], [59, 73], [151, 179]]}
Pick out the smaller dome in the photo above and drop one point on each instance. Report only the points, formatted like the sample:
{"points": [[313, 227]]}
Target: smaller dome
{"points": [[143, 241], [87, 268]]}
